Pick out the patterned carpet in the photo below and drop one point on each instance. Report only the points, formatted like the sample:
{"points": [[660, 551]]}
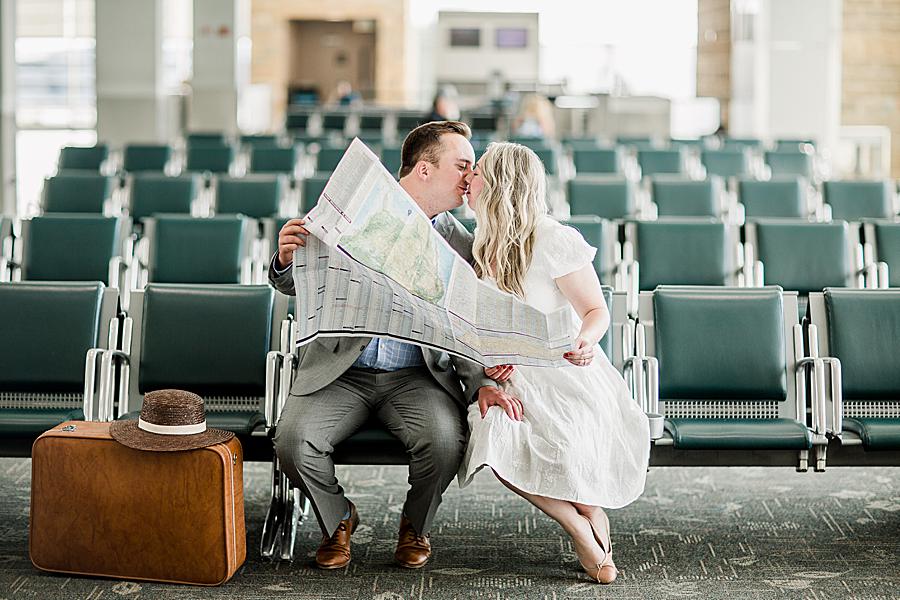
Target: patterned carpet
{"points": [[696, 533]]}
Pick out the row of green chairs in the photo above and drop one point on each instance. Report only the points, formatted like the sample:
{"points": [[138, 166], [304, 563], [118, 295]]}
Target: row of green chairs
{"points": [[54, 334], [225, 249], [730, 161], [148, 193], [725, 162], [373, 123], [615, 197], [738, 380], [72, 354], [198, 158], [802, 256], [215, 152], [261, 158], [151, 156], [799, 255], [706, 142], [145, 194]]}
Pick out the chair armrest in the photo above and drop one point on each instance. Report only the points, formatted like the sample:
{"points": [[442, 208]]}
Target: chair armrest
{"points": [[759, 270], [107, 389], [246, 276], [274, 364], [861, 272], [90, 381], [632, 280], [125, 371], [652, 369], [287, 335], [825, 422], [882, 279], [817, 392], [120, 278], [635, 367], [836, 415], [288, 365], [735, 213]]}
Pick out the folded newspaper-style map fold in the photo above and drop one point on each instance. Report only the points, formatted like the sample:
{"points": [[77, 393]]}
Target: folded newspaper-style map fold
{"points": [[375, 266]]}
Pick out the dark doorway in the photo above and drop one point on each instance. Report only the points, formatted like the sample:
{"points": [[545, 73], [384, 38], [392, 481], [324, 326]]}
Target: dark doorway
{"points": [[326, 52]]}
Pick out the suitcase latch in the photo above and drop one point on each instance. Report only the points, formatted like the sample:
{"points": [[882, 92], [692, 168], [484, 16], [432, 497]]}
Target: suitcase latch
{"points": [[68, 428], [234, 459]]}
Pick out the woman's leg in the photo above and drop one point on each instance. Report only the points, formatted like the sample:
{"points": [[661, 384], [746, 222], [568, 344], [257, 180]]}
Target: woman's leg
{"points": [[600, 521], [589, 552], [601, 531], [587, 510], [559, 510]]}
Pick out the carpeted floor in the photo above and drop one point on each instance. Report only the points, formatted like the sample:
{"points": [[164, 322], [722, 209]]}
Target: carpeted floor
{"points": [[696, 533]]}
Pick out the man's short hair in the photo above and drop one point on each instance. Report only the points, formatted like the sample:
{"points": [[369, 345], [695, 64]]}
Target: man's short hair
{"points": [[424, 143]]}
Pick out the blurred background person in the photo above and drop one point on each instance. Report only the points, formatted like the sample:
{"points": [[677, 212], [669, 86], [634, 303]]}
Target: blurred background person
{"points": [[535, 118], [444, 107], [344, 95]]}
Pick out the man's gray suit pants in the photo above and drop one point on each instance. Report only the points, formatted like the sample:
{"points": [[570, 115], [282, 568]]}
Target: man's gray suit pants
{"points": [[411, 405]]}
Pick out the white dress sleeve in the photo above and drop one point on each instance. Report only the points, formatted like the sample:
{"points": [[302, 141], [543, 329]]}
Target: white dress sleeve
{"points": [[566, 251]]}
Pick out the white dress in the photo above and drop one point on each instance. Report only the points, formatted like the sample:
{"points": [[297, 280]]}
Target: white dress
{"points": [[583, 438]]}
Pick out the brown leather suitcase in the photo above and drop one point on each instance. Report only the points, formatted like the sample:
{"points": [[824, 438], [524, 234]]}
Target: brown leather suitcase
{"points": [[100, 508]]}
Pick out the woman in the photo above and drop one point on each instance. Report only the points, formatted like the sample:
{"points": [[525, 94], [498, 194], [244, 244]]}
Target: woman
{"points": [[582, 442], [535, 118]]}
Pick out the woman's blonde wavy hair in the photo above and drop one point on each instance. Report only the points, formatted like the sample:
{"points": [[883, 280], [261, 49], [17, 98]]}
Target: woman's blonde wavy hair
{"points": [[507, 210]]}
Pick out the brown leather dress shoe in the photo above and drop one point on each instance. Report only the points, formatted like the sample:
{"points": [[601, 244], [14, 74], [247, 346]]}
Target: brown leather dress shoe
{"points": [[334, 551], [413, 550]]}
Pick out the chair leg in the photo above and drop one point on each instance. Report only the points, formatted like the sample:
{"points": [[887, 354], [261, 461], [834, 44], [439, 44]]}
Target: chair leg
{"points": [[821, 452], [803, 461], [271, 531], [295, 507]]}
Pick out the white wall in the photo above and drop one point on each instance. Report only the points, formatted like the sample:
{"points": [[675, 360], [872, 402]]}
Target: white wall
{"points": [[476, 64], [786, 81]]}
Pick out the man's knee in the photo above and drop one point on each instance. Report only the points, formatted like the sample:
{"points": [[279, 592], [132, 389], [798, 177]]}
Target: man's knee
{"points": [[442, 451], [298, 445]]}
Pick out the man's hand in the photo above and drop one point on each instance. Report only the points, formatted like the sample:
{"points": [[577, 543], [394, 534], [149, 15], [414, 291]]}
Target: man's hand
{"points": [[492, 396], [500, 373], [292, 236]]}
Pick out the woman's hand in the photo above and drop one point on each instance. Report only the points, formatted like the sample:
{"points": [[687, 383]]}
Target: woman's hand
{"points": [[500, 373], [583, 353]]}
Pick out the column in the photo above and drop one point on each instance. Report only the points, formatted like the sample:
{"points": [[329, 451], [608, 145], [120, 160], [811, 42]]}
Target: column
{"points": [[131, 103], [8, 107], [218, 70]]}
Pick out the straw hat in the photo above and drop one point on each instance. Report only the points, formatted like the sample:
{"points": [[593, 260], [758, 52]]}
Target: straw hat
{"points": [[170, 420]]}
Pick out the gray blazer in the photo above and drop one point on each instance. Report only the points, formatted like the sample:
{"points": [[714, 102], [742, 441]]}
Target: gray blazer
{"points": [[326, 358]]}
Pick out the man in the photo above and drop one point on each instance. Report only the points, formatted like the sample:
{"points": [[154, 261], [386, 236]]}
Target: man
{"points": [[414, 392]]}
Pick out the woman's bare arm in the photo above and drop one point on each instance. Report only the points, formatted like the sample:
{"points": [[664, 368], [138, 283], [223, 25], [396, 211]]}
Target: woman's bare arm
{"points": [[582, 289]]}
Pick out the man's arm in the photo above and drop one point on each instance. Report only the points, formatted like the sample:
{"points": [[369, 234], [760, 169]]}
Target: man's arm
{"points": [[472, 376], [292, 236], [281, 279], [459, 238]]}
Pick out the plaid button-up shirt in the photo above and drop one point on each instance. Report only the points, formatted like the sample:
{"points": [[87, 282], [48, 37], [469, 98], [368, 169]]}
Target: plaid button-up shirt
{"points": [[390, 355]]}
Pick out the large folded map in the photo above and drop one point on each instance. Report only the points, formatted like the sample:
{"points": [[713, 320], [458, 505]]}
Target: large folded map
{"points": [[375, 266]]}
